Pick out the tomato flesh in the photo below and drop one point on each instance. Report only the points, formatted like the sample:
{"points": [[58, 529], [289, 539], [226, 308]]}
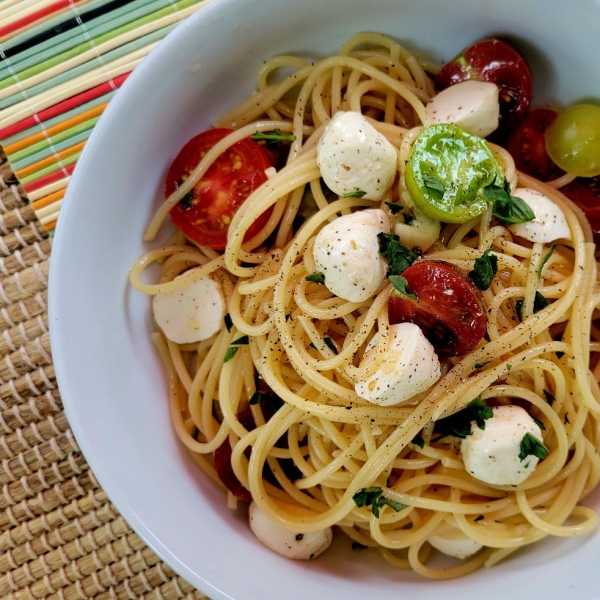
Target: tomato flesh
{"points": [[205, 214], [448, 171], [586, 194], [448, 309], [496, 62], [527, 144]]}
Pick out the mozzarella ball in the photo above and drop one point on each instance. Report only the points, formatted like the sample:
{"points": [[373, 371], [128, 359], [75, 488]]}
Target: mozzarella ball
{"points": [[411, 367], [298, 546], [492, 454], [471, 105], [192, 313], [451, 540], [550, 222], [346, 251], [354, 157]]}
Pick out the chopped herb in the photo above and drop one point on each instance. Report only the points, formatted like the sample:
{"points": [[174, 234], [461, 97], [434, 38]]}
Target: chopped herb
{"points": [[316, 278], [243, 341], [257, 398], [399, 257], [188, 199], [228, 322], [299, 537], [539, 303], [418, 441], [330, 344], [274, 137], [550, 399], [508, 209], [356, 194], [479, 518], [531, 446], [545, 260], [459, 424], [481, 365], [394, 208], [539, 424], [230, 354], [508, 366], [527, 465], [485, 267], [373, 497], [401, 287], [358, 546], [398, 209], [366, 496], [435, 186]]}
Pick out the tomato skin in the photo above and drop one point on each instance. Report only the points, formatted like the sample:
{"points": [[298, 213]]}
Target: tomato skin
{"points": [[586, 194], [223, 189], [527, 145], [453, 322], [573, 140], [496, 62]]}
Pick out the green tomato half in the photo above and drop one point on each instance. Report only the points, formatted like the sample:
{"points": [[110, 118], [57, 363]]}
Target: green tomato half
{"points": [[573, 140], [448, 171]]}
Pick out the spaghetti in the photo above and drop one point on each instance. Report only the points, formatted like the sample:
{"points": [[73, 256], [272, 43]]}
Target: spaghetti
{"points": [[304, 461]]}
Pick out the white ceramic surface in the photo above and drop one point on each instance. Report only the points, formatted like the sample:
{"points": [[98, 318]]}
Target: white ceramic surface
{"points": [[110, 379]]}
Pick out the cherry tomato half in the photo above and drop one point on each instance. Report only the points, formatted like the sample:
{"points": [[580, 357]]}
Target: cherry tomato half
{"points": [[573, 140], [528, 146], [447, 172], [448, 308], [205, 215], [586, 194], [499, 63]]}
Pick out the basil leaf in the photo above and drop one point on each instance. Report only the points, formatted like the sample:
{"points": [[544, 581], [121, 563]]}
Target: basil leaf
{"points": [[230, 353], [539, 424], [550, 399], [545, 260], [394, 208], [276, 136], [539, 303], [316, 278], [531, 446], [484, 269], [418, 441], [257, 398], [401, 287], [330, 344], [228, 322], [383, 501], [188, 200], [243, 341], [435, 186], [399, 257], [366, 496], [510, 210], [356, 194], [459, 424]]}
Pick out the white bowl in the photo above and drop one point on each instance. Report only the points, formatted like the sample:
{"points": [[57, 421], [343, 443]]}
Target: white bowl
{"points": [[110, 378]]}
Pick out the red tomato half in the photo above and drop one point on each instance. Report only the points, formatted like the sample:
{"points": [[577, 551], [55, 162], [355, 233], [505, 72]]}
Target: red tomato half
{"points": [[448, 308], [499, 63], [205, 217], [586, 194], [528, 148]]}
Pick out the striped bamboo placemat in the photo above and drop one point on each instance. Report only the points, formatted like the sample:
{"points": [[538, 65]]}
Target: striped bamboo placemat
{"points": [[61, 61]]}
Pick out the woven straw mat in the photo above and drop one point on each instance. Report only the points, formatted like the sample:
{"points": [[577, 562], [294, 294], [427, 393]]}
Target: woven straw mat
{"points": [[60, 537]]}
